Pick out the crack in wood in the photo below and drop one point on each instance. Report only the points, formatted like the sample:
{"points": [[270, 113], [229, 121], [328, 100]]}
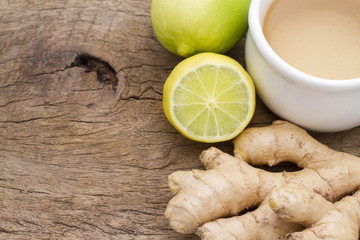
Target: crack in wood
{"points": [[66, 225], [105, 73], [7, 231]]}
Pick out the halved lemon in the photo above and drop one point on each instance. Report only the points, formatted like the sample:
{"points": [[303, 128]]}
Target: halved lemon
{"points": [[209, 97]]}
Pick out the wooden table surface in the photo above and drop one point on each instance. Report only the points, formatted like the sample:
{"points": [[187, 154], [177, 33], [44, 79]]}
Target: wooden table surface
{"points": [[85, 149]]}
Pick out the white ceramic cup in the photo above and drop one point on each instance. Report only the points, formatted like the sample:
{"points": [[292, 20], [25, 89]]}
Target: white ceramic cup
{"points": [[314, 103]]}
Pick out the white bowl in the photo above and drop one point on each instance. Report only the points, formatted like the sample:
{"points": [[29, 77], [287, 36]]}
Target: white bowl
{"points": [[314, 103]]}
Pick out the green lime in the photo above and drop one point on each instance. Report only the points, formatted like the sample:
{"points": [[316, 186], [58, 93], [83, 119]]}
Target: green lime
{"points": [[187, 27]]}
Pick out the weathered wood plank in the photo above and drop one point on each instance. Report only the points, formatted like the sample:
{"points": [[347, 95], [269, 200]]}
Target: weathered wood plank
{"points": [[82, 157]]}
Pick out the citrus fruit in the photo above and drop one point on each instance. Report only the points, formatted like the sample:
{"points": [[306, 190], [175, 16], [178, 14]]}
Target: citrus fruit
{"points": [[187, 27], [209, 97]]}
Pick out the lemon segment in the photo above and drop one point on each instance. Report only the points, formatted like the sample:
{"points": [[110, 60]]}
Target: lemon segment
{"points": [[209, 98]]}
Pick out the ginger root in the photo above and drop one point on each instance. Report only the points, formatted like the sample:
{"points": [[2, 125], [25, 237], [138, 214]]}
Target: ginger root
{"points": [[229, 184], [295, 203], [202, 196], [259, 224]]}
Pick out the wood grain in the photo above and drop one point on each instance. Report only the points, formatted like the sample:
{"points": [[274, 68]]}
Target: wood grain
{"points": [[85, 152]]}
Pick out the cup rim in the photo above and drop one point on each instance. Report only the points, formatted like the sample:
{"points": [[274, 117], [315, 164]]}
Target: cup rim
{"points": [[293, 74]]}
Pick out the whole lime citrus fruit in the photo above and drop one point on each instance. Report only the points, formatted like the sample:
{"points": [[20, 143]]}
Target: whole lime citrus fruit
{"points": [[187, 27]]}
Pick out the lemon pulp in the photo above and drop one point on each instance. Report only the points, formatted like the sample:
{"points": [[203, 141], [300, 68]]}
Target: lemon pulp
{"points": [[209, 98]]}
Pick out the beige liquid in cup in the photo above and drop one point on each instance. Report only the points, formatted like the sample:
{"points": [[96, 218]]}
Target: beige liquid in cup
{"points": [[318, 37]]}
